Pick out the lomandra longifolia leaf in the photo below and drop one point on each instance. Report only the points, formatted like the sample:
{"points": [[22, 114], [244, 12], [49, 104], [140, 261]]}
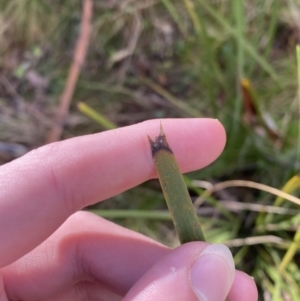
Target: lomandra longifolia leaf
{"points": [[181, 208]]}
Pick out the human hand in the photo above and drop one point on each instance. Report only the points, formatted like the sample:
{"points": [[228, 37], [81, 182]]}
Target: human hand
{"points": [[49, 251]]}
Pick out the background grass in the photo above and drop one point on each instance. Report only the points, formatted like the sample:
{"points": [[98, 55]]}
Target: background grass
{"points": [[184, 58]]}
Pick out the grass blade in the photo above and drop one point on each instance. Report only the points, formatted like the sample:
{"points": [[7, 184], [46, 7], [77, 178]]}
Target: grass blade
{"points": [[246, 45], [289, 255], [294, 183], [298, 73], [249, 184], [94, 115], [173, 12], [172, 99], [240, 25]]}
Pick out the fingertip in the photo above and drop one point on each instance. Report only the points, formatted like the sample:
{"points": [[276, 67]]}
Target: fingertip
{"points": [[212, 273], [220, 133], [243, 288], [194, 271], [206, 142]]}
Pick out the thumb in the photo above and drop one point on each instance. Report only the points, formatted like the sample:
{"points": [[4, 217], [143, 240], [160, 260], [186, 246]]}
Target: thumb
{"points": [[194, 271]]}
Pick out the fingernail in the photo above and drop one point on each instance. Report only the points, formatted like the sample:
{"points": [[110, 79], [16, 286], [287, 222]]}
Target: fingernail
{"points": [[212, 273]]}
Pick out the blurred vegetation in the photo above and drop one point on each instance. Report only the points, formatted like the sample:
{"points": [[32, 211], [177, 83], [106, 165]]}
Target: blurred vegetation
{"points": [[232, 60]]}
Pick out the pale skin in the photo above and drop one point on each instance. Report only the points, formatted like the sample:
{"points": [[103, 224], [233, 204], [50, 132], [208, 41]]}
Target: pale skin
{"points": [[50, 250]]}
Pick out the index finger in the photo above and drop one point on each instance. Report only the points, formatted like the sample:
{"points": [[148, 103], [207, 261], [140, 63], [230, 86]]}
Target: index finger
{"points": [[40, 190]]}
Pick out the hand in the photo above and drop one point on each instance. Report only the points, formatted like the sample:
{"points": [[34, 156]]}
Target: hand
{"points": [[50, 252]]}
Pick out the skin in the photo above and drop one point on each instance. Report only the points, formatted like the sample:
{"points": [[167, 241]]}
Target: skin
{"points": [[50, 250]]}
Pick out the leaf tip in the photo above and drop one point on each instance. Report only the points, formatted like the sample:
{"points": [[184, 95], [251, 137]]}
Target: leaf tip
{"points": [[160, 142]]}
